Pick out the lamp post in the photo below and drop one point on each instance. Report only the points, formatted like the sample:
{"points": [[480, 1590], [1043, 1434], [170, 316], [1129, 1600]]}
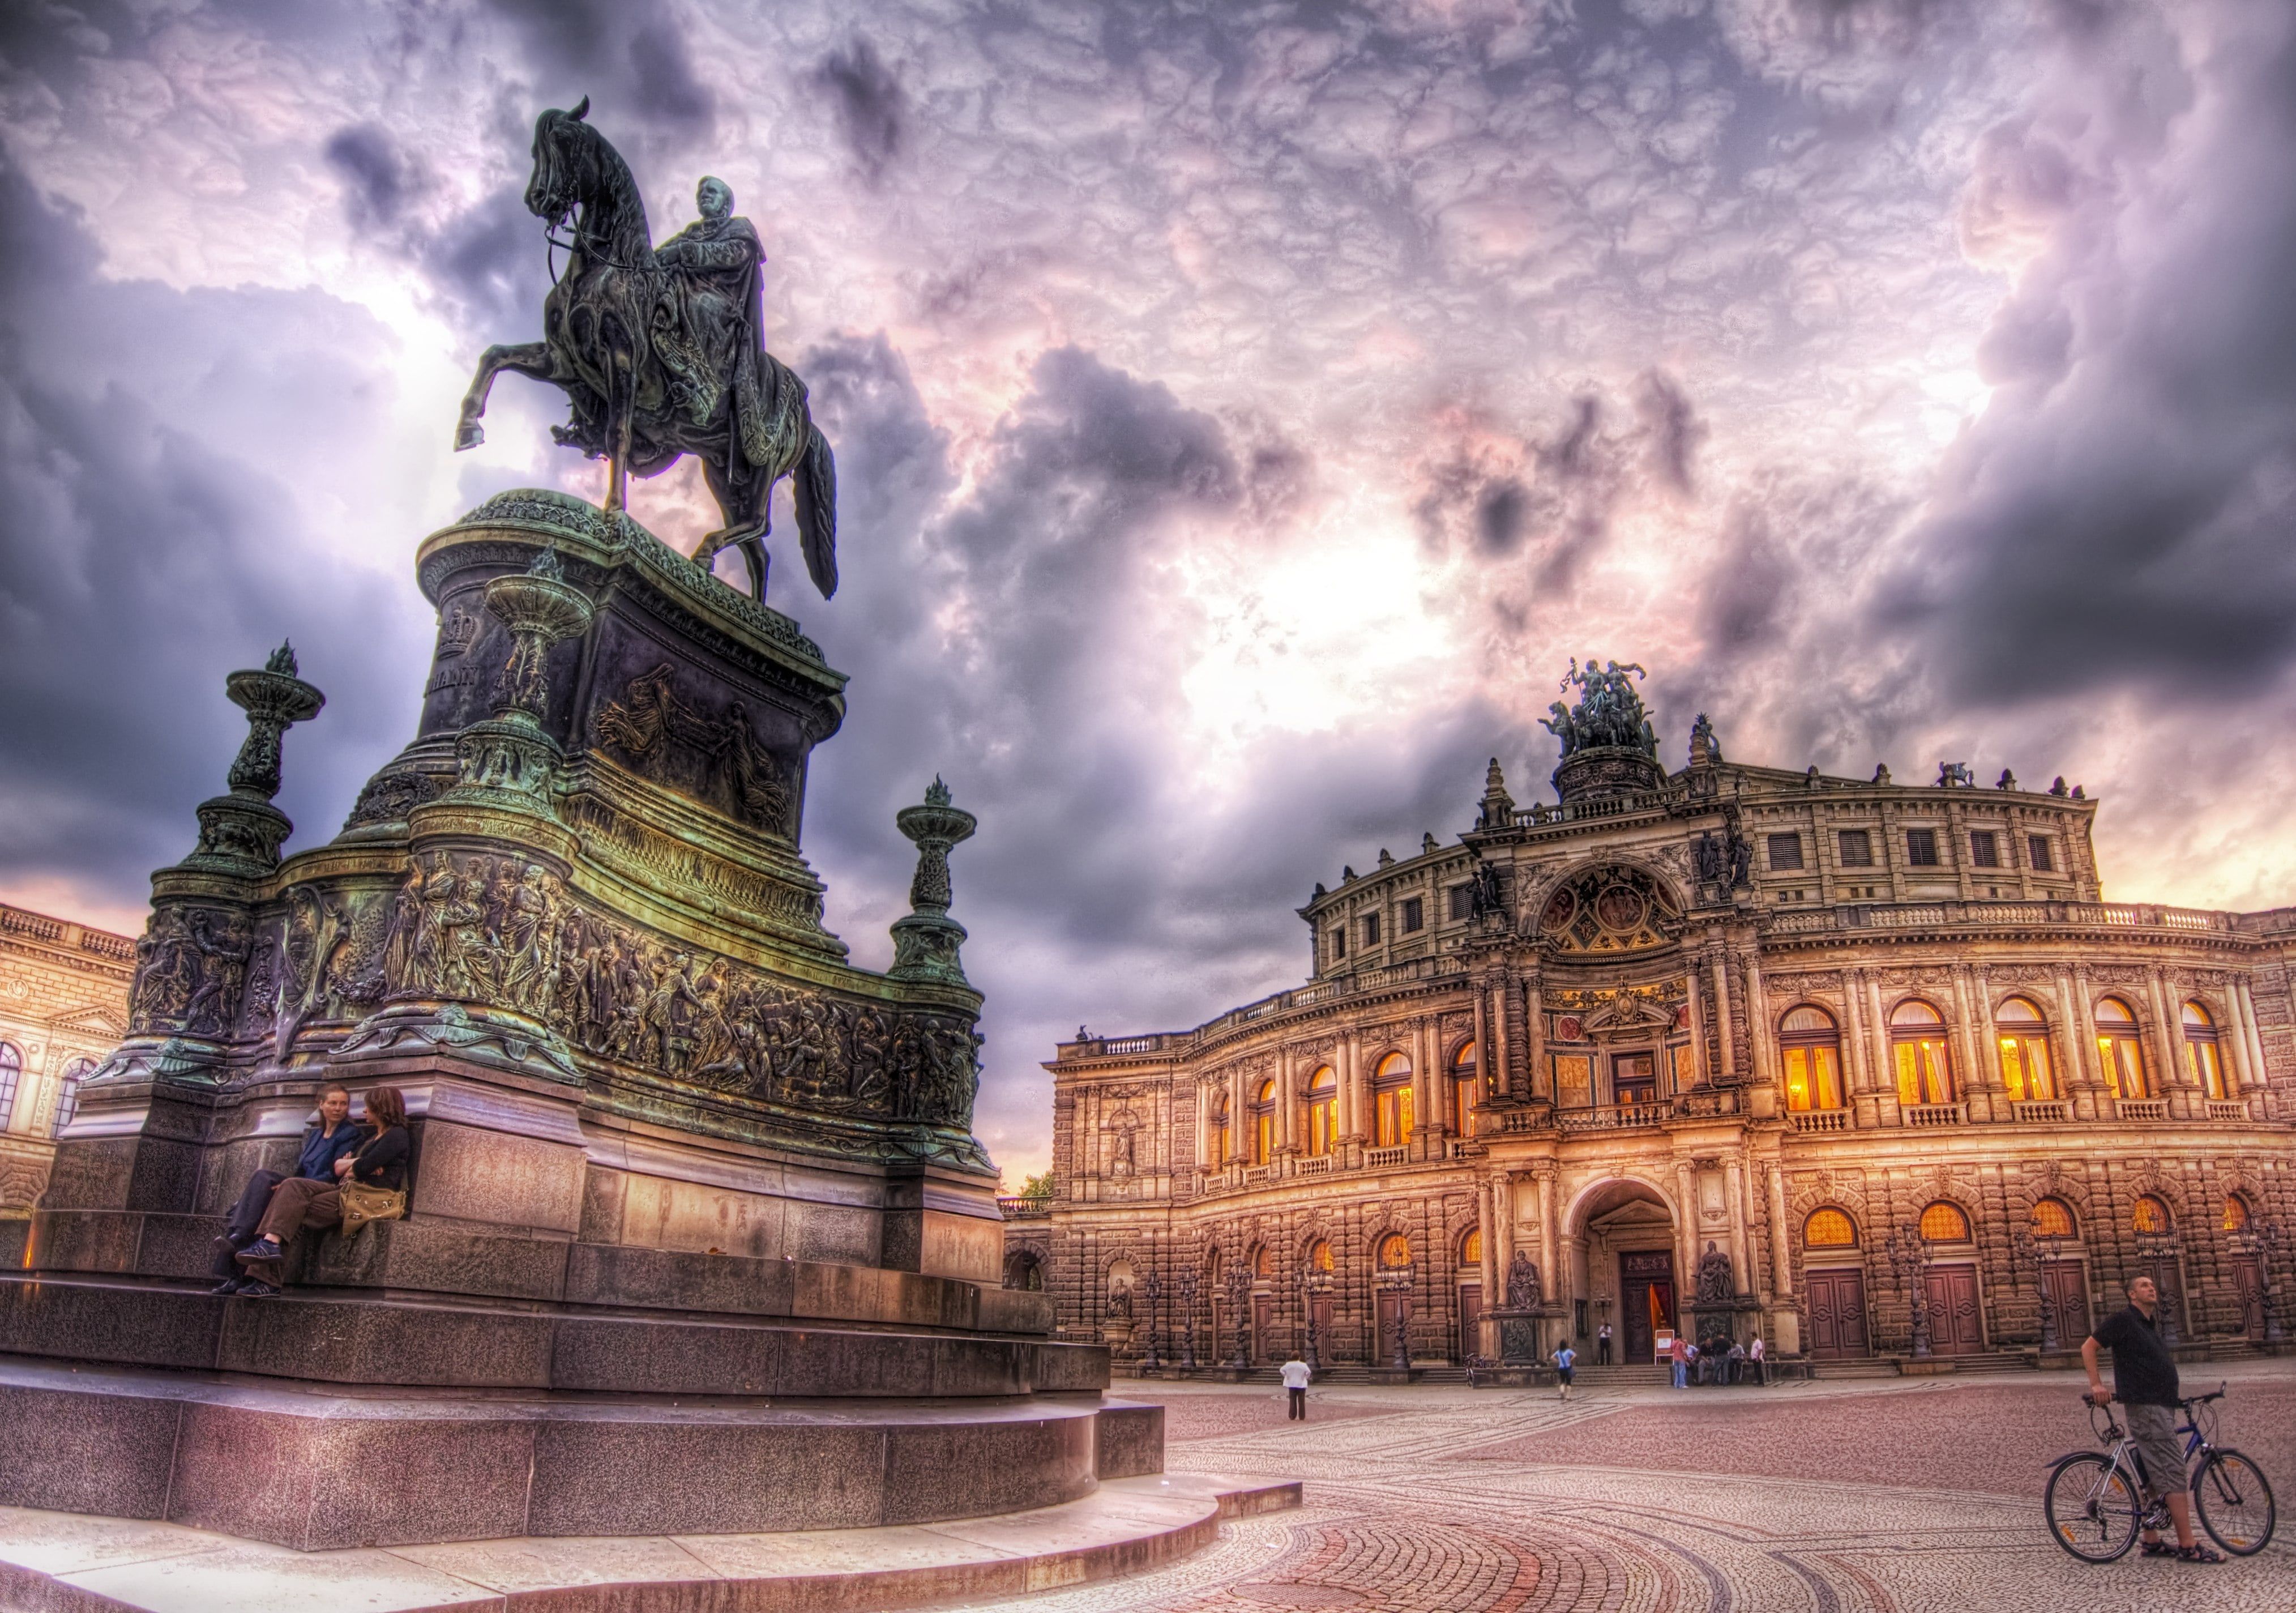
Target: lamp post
{"points": [[1312, 1287], [1152, 1291], [2272, 1243], [1239, 1299], [2036, 1250], [1908, 1253], [1396, 1281], [1188, 1319]]}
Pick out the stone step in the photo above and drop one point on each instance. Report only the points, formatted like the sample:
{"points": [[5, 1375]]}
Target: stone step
{"points": [[330, 1336], [316, 1471], [54, 1559]]}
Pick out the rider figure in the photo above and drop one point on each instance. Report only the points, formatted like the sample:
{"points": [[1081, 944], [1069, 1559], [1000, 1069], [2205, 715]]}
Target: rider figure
{"points": [[2145, 1380]]}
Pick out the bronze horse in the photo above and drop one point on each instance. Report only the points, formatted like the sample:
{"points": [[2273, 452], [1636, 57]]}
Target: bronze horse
{"points": [[641, 386]]}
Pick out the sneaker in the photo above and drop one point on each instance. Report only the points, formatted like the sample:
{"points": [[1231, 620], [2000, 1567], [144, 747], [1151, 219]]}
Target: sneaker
{"points": [[261, 1253], [229, 1285], [255, 1287]]}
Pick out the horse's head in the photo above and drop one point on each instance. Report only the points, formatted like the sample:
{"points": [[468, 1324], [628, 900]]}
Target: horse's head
{"points": [[560, 143]]}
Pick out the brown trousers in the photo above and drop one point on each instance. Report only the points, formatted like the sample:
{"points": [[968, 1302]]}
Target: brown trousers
{"points": [[300, 1202]]}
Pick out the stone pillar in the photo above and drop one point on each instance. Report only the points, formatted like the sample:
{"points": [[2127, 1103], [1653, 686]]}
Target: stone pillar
{"points": [[2085, 1028], [1685, 1237], [1539, 1083], [1429, 1103], [1502, 1222], [2232, 1038], [1784, 1322], [1240, 1135], [1351, 1096], [1885, 1082], [2244, 994], [2072, 1069], [1287, 1102], [1758, 1028], [2170, 1080], [1549, 1238], [1486, 1218], [1485, 1069], [1203, 1125], [1964, 1049], [1733, 1186], [1697, 997], [1510, 1080], [1722, 1014]]}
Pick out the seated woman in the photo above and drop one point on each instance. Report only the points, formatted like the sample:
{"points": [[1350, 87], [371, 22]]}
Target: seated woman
{"points": [[379, 1162]]}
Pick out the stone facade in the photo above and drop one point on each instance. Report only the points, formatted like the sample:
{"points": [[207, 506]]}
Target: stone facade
{"points": [[63, 1007], [1725, 1049]]}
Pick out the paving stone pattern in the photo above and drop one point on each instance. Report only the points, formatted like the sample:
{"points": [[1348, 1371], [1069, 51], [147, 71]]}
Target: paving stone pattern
{"points": [[1884, 1496]]}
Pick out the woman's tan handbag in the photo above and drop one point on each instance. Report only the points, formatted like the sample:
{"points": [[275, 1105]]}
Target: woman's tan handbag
{"points": [[363, 1202]]}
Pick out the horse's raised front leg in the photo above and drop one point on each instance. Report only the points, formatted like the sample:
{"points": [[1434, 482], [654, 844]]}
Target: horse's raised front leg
{"points": [[527, 358]]}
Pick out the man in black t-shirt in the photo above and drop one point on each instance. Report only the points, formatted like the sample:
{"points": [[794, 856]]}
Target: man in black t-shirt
{"points": [[2144, 1381]]}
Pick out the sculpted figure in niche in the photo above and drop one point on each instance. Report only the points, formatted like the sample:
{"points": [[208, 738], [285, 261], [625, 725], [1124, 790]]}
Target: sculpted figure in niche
{"points": [[1524, 1290], [1715, 1278]]}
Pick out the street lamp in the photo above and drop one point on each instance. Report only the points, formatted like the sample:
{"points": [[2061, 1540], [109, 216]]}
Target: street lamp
{"points": [[1312, 1285], [1188, 1319], [1907, 1254], [1239, 1298], [1397, 1280], [1152, 1291], [2036, 1250], [2268, 1241]]}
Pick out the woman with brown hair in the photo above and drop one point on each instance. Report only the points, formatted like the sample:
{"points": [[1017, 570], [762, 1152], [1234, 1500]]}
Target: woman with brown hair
{"points": [[380, 1162]]}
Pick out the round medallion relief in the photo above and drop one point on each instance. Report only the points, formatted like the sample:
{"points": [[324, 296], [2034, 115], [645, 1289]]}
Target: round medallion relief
{"points": [[1561, 908], [1619, 907]]}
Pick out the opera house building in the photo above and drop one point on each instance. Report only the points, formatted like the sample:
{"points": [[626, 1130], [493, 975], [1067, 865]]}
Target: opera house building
{"points": [[1865, 1068]]}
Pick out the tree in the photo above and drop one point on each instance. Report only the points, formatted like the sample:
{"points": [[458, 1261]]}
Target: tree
{"points": [[1038, 1187]]}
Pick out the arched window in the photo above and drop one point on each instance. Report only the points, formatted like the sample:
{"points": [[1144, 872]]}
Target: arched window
{"points": [[1829, 1228], [2051, 1218], [1944, 1223], [1319, 1257], [1470, 1249], [2200, 1056], [2024, 1036], [1216, 1141], [1466, 1088], [11, 1071], [68, 1099], [1924, 1062], [2235, 1214], [1390, 1096], [1263, 1123], [1811, 1043], [1263, 1263], [1394, 1252], [1322, 1112], [2119, 1051], [2151, 1217]]}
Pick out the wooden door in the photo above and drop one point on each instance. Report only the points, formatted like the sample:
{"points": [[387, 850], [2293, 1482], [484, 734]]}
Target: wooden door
{"points": [[2064, 1290], [1956, 1326], [1320, 1308], [1837, 1314], [1471, 1314], [1263, 1326], [2248, 1289], [1391, 1308]]}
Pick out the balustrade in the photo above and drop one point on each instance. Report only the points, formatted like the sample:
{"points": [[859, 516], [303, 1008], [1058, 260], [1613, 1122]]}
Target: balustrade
{"points": [[1933, 1114], [2222, 1109], [1379, 1159], [1820, 1120], [2141, 1108], [2041, 1111]]}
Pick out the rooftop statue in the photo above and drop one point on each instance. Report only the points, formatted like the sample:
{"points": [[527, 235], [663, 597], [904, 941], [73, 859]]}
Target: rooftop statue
{"points": [[660, 352], [1609, 714]]}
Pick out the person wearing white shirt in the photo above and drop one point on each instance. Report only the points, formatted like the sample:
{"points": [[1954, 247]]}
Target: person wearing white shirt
{"points": [[1296, 1374]]}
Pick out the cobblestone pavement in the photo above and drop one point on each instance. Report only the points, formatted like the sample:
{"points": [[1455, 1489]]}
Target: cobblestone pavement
{"points": [[1875, 1496]]}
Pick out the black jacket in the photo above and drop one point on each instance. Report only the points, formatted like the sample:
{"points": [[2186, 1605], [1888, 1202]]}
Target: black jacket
{"points": [[381, 1161]]}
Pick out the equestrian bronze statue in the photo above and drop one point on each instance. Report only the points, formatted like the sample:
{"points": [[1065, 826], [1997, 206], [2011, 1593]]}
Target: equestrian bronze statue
{"points": [[660, 352]]}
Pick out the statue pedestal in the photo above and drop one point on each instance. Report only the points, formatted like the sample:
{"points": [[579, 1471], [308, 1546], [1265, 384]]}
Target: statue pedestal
{"points": [[699, 1239]]}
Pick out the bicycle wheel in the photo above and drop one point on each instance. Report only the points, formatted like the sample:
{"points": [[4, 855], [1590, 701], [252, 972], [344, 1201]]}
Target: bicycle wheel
{"points": [[2092, 1507], [2234, 1503]]}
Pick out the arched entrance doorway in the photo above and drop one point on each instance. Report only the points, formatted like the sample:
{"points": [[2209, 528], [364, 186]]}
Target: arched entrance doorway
{"points": [[1624, 1265]]}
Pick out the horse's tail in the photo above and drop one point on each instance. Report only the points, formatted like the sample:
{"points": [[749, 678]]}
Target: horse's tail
{"points": [[814, 488]]}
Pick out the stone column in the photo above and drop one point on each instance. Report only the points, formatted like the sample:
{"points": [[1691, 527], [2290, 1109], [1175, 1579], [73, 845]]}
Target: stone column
{"points": [[2244, 994], [1964, 1052], [1685, 1237], [1203, 1125], [1540, 1084], [1502, 1221], [1351, 1077], [1757, 1022], [1510, 1079], [1287, 1102], [1785, 1323], [1240, 1134], [1485, 1068], [2085, 1028], [1486, 1194], [1734, 1187], [1722, 1013], [1697, 996], [2169, 1081], [2234, 1037], [1430, 1100], [2072, 1069], [1549, 1234], [1885, 1082]]}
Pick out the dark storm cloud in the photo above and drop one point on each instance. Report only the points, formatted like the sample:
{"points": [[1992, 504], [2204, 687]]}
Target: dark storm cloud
{"points": [[872, 112], [142, 559], [1674, 429], [2122, 514], [590, 47], [377, 183]]}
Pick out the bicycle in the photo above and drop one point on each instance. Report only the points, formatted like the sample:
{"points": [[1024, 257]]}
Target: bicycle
{"points": [[2093, 1500]]}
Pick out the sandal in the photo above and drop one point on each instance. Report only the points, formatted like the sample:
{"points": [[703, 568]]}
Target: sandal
{"points": [[2158, 1548], [2199, 1553]]}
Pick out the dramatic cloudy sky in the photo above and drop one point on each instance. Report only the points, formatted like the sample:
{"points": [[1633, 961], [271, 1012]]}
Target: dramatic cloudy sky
{"points": [[1242, 413]]}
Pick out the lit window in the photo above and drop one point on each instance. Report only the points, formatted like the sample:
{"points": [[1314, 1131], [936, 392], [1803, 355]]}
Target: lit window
{"points": [[1394, 1251], [1263, 1262], [1921, 848], [2037, 852], [2052, 1219], [2120, 1050], [12, 1070], [1466, 1088], [1944, 1223], [2024, 1041], [1263, 1123], [1323, 1111], [1319, 1257], [1786, 850], [2201, 1060], [1412, 918], [1216, 1140], [1470, 1248], [1856, 849], [1924, 1063], [1810, 1044], [2149, 1216], [68, 1099], [1829, 1230], [2235, 1214], [1391, 1117]]}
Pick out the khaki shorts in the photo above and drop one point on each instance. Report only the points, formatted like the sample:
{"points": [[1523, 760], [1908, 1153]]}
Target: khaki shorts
{"points": [[2154, 1429]]}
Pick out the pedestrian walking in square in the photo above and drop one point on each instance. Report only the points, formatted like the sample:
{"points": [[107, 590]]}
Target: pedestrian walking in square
{"points": [[1756, 1359], [1296, 1374], [1565, 1358], [1603, 1345], [1678, 1353]]}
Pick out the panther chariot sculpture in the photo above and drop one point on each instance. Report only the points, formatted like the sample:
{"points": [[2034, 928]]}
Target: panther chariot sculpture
{"points": [[660, 352]]}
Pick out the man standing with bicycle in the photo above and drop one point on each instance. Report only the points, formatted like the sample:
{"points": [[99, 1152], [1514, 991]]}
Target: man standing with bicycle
{"points": [[2145, 1380]]}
